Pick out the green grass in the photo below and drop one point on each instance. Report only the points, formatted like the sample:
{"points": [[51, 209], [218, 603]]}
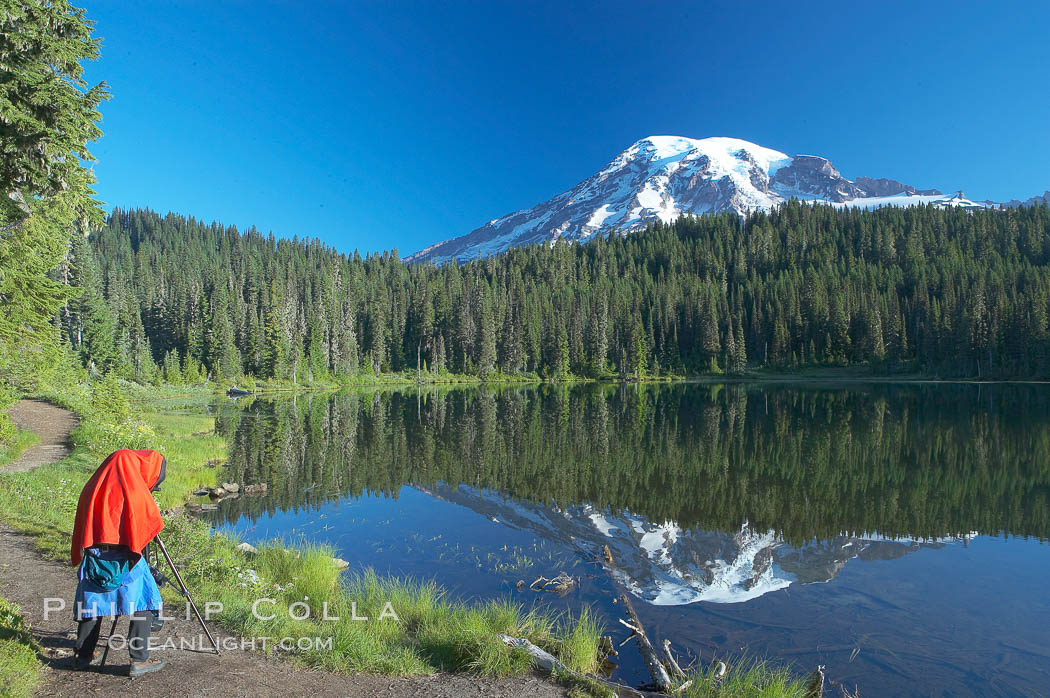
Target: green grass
{"points": [[12, 450], [19, 667], [746, 678]]}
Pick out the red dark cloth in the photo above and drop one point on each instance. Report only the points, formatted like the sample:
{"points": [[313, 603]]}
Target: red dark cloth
{"points": [[116, 506]]}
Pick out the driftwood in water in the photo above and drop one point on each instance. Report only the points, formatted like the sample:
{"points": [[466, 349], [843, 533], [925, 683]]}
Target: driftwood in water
{"points": [[672, 663], [652, 660], [549, 664], [662, 670], [561, 585], [649, 654]]}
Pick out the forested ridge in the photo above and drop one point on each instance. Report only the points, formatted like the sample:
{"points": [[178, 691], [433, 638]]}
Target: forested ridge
{"points": [[942, 291]]}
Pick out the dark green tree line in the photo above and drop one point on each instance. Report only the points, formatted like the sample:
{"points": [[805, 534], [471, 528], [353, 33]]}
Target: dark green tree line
{"points": [[947, 292]]}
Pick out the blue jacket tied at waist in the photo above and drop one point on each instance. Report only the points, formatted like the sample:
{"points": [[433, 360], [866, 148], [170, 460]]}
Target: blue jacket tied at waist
{"points": [[137, 592]]}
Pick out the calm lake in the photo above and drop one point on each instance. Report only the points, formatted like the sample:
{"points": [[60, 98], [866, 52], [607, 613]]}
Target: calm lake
{"points": [[895, 533]]}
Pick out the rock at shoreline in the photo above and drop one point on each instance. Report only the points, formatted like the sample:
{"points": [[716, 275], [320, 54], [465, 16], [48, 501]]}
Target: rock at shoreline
{"points": [[228, 490], [247, 549], [232, 489]]}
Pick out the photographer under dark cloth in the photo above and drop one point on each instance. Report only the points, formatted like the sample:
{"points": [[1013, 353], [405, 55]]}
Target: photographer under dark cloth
{"points": [[116, 519]]}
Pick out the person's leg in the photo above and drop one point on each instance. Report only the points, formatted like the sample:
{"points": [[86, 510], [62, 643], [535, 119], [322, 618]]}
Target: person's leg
{"points": [[138, 644], [138, 635], [87, 638]]}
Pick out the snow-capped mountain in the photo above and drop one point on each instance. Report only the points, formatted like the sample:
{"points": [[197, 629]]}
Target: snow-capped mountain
{"points": [[665, 565], [664, 177]]}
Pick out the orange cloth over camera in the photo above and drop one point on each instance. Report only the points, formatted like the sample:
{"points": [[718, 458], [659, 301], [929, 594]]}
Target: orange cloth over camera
{"points": [[116, 506]]}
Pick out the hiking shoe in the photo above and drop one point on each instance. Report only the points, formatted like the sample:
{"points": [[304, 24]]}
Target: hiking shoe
{"points": [[83, 664], [140, 668]]}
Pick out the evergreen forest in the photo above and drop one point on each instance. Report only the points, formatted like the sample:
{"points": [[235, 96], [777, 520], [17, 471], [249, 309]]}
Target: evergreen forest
{"points": [[938, 292]]}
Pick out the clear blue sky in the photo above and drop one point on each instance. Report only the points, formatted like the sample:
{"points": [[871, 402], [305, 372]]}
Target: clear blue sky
{"points": [[397, 124]]}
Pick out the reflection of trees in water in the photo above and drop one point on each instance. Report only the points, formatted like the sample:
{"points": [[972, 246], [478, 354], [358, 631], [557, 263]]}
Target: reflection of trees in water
{"points": [[901, 460]]}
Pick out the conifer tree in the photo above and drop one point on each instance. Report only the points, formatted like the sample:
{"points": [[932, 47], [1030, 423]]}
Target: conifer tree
{"points": [[48, 116]]}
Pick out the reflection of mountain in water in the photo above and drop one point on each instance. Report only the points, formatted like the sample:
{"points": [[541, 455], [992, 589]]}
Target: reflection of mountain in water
{"points": [[667, 566]]}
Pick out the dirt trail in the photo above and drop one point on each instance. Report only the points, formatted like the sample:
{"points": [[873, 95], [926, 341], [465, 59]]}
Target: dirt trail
{"points": [[52, 424], [27, 579]]}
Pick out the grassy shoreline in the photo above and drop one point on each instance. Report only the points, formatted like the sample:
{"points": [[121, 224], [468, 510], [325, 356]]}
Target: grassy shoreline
{"points": [[804, 374], [432, 633]]}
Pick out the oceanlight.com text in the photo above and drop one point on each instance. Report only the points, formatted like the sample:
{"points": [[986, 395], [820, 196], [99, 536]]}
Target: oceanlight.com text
{"points": [[200, 643]]}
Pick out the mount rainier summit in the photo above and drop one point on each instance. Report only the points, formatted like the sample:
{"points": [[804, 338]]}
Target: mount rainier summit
{"points": [[664, 177]]}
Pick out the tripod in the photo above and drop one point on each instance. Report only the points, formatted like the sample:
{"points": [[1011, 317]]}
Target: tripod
{"points": [[183, 590]]}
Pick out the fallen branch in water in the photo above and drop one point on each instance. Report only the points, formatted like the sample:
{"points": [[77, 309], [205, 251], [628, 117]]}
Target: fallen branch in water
{"points": [[652, 659], [549, 664], [672, 662], [561, 584]]}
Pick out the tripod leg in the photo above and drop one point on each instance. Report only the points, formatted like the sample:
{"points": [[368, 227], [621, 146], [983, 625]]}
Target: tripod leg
{"points": [[186, 593], [109, 638]]}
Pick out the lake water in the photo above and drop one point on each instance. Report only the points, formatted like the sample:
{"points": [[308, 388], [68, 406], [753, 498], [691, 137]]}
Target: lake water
{"points": [[894, 533]]}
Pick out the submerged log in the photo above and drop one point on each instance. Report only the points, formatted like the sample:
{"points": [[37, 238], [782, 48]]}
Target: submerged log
{"points": [[549, 664], [649, 654]]}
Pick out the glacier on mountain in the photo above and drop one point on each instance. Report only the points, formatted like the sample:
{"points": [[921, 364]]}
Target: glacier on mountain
{"points": [[661, 178]]}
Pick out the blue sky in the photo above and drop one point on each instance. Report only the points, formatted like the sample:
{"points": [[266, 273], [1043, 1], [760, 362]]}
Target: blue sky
{"points": [[376, 125]]}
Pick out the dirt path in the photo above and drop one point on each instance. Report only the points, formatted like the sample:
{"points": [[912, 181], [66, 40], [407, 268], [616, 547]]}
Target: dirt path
{"points": [[27, 579], [52, 424]]}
